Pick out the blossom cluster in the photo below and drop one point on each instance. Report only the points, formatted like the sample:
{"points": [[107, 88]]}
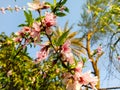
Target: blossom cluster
{"points": [[32, 34], [67, 55], [9, 8], [72, 81], [31, 6], [42, 54], [78, 79]]}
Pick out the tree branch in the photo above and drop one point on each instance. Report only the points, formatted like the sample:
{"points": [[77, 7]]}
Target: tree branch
{"points": [[109, 88]]}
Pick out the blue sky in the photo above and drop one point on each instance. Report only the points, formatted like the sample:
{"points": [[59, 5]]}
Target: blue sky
{"points": [[10, 21]]}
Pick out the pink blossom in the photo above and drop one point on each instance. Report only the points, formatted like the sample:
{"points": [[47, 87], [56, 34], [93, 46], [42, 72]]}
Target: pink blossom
{"points": [[93, 82], [17, 39], [70, 82], [20, 33], [118, 57], [99, 50], [36, 5], [43, 53], [75, 81], [73, 85], [50, 19], [36, 26], [26, 29], [66, 47], [35, 35], [66, 53], [68, 57], [35, 32], [86, 78], [2, 10], [79, 67]]}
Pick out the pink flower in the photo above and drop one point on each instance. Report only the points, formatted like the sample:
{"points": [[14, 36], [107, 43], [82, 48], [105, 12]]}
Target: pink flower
{"points": [[42, 54], [74, 82], [36, 5], [2, 10], [93, 82], [99, 50], [66, 53], [66, 47], [73, 85], [26, 29], [17, 39], [20, 33], [50, 19], [84, 78], [68, 57], [35, 35], [87, 78], [79, 67], [70, 82], [118, 57], [36, 26], [35, 32]]}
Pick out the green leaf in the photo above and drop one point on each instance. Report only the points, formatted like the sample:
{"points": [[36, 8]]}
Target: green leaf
{"points": [[84, 59], [54, 2], [63, 2], [51, 5], [29, 19], [66, 9], [21, 25], [60, 14], [62, 38]]}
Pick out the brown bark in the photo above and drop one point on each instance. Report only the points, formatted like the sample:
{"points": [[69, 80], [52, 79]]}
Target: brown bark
{"points": [[94, 62]]}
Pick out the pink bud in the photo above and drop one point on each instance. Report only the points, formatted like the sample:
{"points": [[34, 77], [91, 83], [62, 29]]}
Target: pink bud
{"points": [[118, 57], [2, 10], [99, 50], [50, 19], [17, 8], [79, 67], [17, 39]]}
